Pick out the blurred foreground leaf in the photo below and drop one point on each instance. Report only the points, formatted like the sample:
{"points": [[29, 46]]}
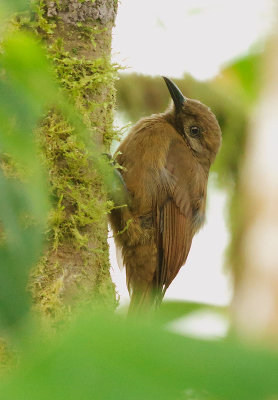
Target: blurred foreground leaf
{"points": [[15, 5], [171, 310], [106, 358], [7, 7], [23, 186]]}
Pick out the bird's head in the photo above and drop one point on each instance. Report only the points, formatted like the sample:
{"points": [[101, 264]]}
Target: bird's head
{"points": [[196, 123]]}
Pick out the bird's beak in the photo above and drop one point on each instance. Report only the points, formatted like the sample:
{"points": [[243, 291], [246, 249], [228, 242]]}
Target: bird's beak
{"points": [[175, 93]]}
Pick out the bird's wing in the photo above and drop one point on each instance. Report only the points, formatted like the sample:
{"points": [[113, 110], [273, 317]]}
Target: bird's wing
{"points": [[174, 217]]}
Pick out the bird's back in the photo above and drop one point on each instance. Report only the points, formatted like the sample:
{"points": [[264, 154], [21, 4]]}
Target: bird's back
{"points": [[143, 157]]}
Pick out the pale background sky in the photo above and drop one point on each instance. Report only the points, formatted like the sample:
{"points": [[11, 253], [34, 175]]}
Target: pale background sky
{"points": [[158, 37], [162, 37]]}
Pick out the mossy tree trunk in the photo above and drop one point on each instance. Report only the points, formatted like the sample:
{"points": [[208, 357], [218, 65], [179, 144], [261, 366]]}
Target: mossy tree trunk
{"points": [[75, 266]]}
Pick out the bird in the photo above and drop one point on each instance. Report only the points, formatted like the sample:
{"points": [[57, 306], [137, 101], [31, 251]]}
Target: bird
{"points": [[164, 162]]}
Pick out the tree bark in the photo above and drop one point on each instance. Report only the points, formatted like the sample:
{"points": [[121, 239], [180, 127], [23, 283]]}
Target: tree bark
{"points": [[75, 267]]}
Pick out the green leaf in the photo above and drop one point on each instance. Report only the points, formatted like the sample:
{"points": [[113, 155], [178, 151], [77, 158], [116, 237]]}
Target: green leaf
{"points": [[107, 358], [23, 187], [7, 7], [28, 68], [18, 251]]}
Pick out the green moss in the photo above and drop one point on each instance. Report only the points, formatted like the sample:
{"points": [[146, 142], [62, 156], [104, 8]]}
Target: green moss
{"points": [[74, 183], [86, 81], [8, 357], [75, 267], [35, 20]]}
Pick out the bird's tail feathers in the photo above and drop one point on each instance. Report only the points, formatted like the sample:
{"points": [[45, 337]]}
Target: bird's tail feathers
{"points": [[145, 300]]}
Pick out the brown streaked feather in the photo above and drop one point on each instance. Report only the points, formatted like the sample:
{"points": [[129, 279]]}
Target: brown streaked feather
{"points": [[174, 241], [174, 230]]}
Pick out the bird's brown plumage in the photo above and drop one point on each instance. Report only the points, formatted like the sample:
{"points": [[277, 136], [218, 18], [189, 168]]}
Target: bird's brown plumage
{"points": [[165, 170]]}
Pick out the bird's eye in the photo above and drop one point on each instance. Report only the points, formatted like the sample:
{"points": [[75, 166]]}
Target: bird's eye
{"points": [[195, 131]]}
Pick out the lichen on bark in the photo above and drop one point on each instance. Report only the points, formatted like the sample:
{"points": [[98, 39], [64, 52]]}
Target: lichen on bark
{"points": [[76, 11], [75, 266]]}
